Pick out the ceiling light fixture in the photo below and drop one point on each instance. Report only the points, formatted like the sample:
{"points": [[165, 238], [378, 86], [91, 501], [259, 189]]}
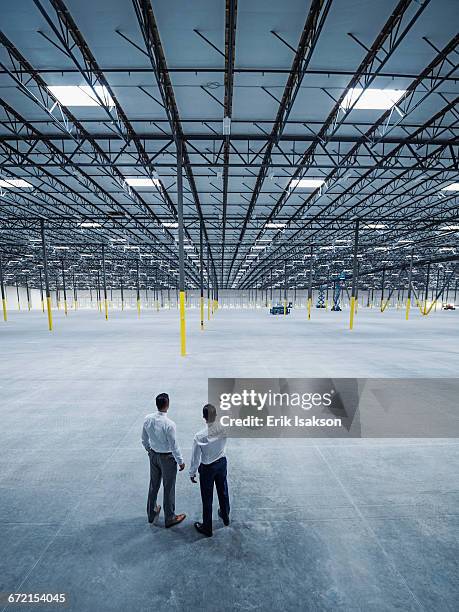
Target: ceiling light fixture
{"points": [[141, 181], [275, 225], [307, 183], [90, 224], [452, 187], [371, 99], [81, 95], [15, 184]]}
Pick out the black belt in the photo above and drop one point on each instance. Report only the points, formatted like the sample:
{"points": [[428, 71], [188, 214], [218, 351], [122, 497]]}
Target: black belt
{"points": [[169, 453]]}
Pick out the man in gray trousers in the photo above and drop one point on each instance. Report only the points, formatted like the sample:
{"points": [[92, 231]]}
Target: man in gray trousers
{"points": [[159, 440]]}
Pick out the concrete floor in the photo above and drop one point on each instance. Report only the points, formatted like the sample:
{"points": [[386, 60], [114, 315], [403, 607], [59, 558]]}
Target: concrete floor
{"points": [[348, 525]]}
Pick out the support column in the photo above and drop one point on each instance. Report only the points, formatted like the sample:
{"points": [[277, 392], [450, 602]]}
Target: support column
{"points": [[437, 284], [17, 294], [64, 289], [45, 271], [310, 285], [181, 249], [410, 277], [382, 288], [271, 288], [75, 293], [426, 295], [41, 291], [156, 290], [138, 289], [354, 275], [28, 293], [208, 285], [201, 276], [285, 287], [104, 280], [328, 283], [122, 293], [2, 289], [99, 302]]}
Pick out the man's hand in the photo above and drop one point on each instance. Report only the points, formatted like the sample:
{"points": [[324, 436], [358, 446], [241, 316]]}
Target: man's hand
{"points": [[193, 479], [181, 467]]}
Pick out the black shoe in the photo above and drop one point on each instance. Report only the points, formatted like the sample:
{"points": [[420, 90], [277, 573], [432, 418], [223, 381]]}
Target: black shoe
{"points": [[226, 520], [151, 519], [200, 527]]}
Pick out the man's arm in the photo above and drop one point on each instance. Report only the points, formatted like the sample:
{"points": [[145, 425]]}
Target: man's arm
{"points": [[176, 452], [195, 459], [145, 439]]}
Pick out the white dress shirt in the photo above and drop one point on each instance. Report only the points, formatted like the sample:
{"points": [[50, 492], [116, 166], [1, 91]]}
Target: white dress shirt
{"points": [[158, 434], [208, 446]]}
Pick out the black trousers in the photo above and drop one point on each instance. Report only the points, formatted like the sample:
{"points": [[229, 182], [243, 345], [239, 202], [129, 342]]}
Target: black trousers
{"points": [[214, 473]]}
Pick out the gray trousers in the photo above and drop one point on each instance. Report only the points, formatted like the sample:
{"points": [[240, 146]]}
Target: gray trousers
{"points": [[162, 467]]}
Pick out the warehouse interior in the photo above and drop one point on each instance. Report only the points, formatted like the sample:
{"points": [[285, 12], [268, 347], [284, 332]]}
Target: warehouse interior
{"points": [[242, 189]]}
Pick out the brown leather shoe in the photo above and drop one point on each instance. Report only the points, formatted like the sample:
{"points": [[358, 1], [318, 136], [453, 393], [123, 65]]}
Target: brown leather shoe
{"points": [[176, 520]]}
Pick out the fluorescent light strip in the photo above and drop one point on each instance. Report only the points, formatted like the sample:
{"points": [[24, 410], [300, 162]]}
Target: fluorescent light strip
{"points": [[15, 184], [306, 183], [141, 181], [81, 95], [452, 187], [371, 99]]}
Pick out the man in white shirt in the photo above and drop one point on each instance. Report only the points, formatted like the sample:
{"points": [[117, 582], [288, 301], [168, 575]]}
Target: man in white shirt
{"points": [[208, 458], [159, 440]]}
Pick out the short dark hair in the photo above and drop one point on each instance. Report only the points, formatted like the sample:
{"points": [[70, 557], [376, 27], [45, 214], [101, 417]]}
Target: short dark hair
{"points": [[209, 412], [162, 401]]}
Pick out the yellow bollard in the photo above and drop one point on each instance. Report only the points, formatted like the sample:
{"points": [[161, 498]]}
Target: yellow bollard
{"points": [[182, 325], [352, 309], [138, 308], [65, 307], [5, 315], [408, 306], [50, 314], [285, 307], [106, 310], [309, 307]]}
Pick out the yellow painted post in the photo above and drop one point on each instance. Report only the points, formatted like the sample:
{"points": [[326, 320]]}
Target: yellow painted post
{"points": [[65, 307], [285, 307], [309, 307], [5, 315], [352, 310], [43, 305], [202, 313], [106, 308], [408, 306], [138, 307], [50, 313], [182, 324]]}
